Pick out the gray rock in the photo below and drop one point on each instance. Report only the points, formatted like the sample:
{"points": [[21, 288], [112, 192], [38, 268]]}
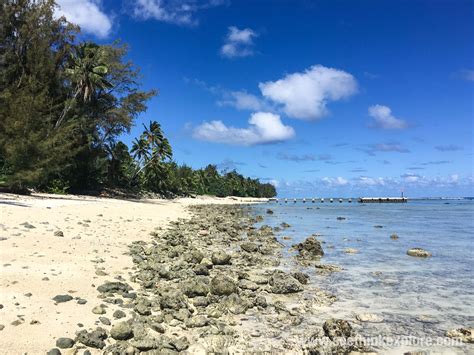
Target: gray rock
{"points": [[119, 314], [201, 270], [195, 287], [222, 285], [282, 283], [143, 307], [197, 322], [180, 344], [58, 234], [337, 328], [200, 301], [327, 268], [172, 299], [62, 298], [194, 256], [98, 310], [310, 248], [104, 320], [93, 339], [65, 343], [121, 331], [466, 335], [27, 225], [220, 258], [54, 351], [301, 277], [269, 211], [419, 252], [249, 247], [394, 236], [114, 287]]}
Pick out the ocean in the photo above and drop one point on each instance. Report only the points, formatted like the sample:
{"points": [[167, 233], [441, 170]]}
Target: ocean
{"points": [[419, 297]]}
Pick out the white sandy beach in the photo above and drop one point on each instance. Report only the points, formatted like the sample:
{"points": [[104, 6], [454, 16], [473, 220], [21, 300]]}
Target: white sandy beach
{"points": [[36, 265]]}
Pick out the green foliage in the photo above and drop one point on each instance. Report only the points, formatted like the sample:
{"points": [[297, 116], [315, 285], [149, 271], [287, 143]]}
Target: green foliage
{"points": [[58, 186], [63, 105]]}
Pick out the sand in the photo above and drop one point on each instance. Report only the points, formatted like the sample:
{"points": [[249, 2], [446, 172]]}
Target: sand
{"points": [[36, 265]]}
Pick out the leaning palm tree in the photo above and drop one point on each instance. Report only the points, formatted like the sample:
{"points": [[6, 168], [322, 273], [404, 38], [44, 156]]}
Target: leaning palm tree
{"points": [[87, 73], [151, 148]]}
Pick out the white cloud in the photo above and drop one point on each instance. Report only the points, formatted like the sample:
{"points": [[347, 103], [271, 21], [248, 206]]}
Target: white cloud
{"points": [[305, 95], [173, 11], [87, 14], [264, 127], [238, 43], [384, 119], [242, 100], [335, 181]]}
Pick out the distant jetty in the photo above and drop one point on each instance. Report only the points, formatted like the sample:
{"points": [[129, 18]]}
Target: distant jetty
{"points": [[383, 200], [341, 200]]}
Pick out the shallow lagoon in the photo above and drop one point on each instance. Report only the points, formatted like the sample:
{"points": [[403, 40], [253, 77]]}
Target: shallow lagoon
{"points": [[415, 296]]}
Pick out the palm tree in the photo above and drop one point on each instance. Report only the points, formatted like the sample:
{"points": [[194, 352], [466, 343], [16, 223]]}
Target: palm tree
{"points": [[151, 148], [88, 74]]}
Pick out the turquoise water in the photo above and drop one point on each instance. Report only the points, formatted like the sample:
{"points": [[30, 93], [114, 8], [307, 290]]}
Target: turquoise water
{"points": [[415, 296]]}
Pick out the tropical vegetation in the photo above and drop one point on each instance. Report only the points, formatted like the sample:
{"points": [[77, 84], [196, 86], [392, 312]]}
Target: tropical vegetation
{"points": [[65, 103]]}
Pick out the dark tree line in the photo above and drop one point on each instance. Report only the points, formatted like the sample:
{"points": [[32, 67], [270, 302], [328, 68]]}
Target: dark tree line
{"points": [[63, 106]]}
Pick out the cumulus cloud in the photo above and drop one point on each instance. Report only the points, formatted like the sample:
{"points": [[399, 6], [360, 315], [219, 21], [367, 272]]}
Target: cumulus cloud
{"points": [[238, 43], [177, 12], [264, 127], [384, 119], [448, 148], [305, 95], [88, 14]]}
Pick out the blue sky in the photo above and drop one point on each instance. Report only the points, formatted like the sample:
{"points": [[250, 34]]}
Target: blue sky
{"points": [[321, 98]]}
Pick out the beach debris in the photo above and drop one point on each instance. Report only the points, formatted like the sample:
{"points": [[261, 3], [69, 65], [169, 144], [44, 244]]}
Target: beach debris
{"points": [[269, 211], [419, 252], [394, 236], [378, 226], [285, 225], [341, 218], [350, 251]]}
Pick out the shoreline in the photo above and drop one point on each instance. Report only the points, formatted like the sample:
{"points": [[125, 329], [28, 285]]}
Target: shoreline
{"points": [[191, 275]]}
